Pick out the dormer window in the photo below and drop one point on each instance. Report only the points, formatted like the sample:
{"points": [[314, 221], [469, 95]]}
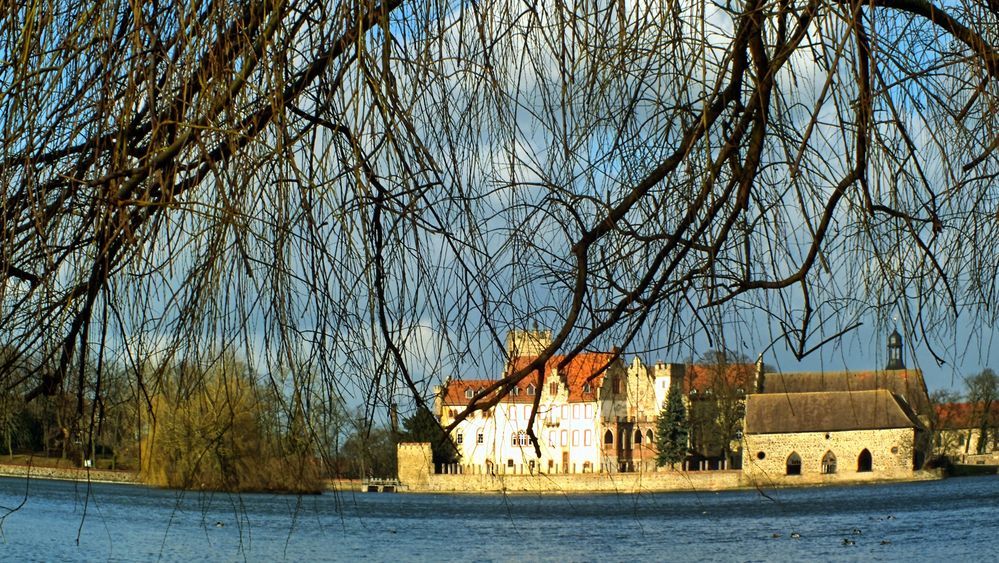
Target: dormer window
{"points": [[516, 391], [531, 390], [469, 393], [693, 392], [587, 388]]}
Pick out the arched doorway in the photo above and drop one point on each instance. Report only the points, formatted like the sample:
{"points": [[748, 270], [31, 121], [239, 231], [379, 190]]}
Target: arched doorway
{"points": [[793, 464], [829, 463], [864, 462], [608, 437]]}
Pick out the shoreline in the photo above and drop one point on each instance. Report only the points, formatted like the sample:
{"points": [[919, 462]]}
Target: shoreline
{"points": [[518, 485], [79, 475]]}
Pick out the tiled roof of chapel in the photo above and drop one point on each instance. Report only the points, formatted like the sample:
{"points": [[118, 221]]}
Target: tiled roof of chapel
{"points": [[786, 413]]}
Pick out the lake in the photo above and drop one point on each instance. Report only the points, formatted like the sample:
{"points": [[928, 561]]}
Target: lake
{"points": [[954, 519]]}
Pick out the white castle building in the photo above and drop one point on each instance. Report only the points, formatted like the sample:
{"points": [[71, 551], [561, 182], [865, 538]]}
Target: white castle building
{"points": [[595, 414]]}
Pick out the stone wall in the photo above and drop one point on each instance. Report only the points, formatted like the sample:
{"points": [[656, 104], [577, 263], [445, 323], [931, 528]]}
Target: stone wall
{"points": [[664, 480], [765, 456], [415, 463], [69, 474]]}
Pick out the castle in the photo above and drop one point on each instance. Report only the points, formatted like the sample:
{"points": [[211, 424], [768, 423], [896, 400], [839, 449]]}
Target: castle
{"points": [[597, 414]]}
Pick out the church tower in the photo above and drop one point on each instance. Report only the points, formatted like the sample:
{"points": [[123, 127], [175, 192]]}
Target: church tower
{"points": [[895, 351]]}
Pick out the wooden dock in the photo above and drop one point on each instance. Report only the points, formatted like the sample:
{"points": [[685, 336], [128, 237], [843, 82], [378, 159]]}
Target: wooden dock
{"points": [[378, 485]]}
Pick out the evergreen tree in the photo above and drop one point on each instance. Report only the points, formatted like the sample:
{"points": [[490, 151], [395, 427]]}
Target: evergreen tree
{"points": [[424, 427], [673, 430]]}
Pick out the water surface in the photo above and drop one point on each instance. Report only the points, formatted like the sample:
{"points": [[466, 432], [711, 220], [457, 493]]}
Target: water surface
{"points": [[954, 519]]}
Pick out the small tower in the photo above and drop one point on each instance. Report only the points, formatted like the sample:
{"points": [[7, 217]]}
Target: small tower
{"points": [[895, 351]]}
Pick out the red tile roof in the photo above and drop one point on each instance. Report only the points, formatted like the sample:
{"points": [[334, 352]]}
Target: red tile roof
{"points": [[953, 416], [585, 367], [702, 377]]}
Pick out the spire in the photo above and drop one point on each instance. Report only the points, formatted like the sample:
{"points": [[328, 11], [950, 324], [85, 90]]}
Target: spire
{"points": [[895, 351]]}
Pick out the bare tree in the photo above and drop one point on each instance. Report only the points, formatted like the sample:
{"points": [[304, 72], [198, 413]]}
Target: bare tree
{"points": [[983, 394], [379, 190]]}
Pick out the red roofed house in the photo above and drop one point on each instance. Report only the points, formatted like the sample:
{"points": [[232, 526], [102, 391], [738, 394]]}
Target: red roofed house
{"points": [[958, 429], [716, 399], [595, 413]]}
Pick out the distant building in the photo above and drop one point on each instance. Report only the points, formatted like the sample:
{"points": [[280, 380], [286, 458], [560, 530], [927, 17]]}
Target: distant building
{"points": [[958, 429], [716, 405], [829, 434], [594, 414], [825, 424]]}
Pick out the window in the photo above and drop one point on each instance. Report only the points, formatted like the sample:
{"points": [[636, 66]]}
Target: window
{"points": [[513, 439], [648, 437], [512, 412], [864, 462], [693, 392], [552, 441], [565, 438], [469, 393], [793, 463], [575, 437], [616, 383], [516, 391], [608, 437], [588, 411], [523, 439], [587, 437], [565, 411], [460, 437], [531, 389], [575, 411], [553, 388], [638, 436], [527, 412], [587, 388], [480, 438], [829, 463], [509, 463]]}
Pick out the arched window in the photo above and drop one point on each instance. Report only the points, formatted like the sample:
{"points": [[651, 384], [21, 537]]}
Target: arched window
{"points": [[608, 437], [829, 463], [793, 464], [638, 436], [649, 436], [864, 462], [513, 439]]}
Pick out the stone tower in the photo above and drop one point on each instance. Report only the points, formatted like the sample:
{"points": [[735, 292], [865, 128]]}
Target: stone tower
{"points": [[527, 342], [895, 351]]}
